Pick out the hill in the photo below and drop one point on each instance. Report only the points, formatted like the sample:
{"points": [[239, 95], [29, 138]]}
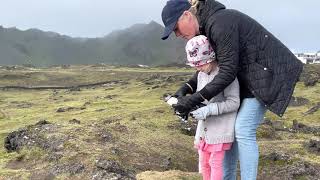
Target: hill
{"points": [[138, 44]]}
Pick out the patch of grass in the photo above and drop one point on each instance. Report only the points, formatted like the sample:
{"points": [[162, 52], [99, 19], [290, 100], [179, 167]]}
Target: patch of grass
{"points": [[138, 120], [168, 175]]}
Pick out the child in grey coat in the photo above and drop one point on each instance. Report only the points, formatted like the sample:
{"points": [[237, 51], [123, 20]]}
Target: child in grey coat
{"points": [[216, 120]]}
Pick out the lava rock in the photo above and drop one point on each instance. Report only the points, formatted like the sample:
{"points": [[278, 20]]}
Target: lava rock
{"points": [[298, 101], [313, 109], [108, 169], [74, 121], [300, 127], [314, 145], [72, 168]]}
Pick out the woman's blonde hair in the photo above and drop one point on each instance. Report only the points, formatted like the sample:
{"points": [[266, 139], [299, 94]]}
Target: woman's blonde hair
{"points": [[194, 6]]}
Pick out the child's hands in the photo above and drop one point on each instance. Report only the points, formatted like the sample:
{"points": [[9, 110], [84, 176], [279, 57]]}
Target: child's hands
{"points": [[205, 111], [201, 113]]}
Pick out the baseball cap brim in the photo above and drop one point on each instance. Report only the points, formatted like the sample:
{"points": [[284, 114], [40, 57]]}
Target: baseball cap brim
{"points": [[168, 30]]}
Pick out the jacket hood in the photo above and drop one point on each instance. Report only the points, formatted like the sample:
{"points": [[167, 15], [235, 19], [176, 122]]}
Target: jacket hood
{"points": [[205, 10]]}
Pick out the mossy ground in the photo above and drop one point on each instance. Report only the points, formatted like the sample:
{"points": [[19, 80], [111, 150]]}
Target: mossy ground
{"points": [[141, 124]]}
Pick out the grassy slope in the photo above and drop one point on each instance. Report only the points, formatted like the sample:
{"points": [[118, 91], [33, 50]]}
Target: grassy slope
{"points": [[146, 132], [139, 110]]}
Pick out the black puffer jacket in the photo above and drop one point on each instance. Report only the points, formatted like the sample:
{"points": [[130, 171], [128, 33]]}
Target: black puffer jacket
{"points": [[266, 68]]}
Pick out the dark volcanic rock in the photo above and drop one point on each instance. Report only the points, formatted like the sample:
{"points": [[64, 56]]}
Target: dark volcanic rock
{"points": [[311, 79], [299, 127], [25, 105], [283, 167], [167, 164], [298, 101], [72, 168], [42, 122], [104, 136], [276, 124], [34, 135], [15, 140], [75, 89], [74, 121], [155, 87], [314, 145], [274, 156], [65, 109], [313, 109], [299, 169], [108, 169]]}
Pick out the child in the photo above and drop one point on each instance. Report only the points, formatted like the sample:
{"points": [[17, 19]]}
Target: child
{"points": [[216, 120]]}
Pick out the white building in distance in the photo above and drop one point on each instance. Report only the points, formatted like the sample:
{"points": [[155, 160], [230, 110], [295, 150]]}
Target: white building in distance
{"points": [[309, 58]]}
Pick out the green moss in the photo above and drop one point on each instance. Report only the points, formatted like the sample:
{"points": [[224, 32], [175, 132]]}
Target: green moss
{"points": [[142, 128]]}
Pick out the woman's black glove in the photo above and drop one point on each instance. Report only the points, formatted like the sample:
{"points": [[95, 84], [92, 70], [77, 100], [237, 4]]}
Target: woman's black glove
{"points": [[183, 91], [187, 103]]}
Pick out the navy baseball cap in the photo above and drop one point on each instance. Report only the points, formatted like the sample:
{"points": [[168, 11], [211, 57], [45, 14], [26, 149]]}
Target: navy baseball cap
{"points": [[171, 14]]}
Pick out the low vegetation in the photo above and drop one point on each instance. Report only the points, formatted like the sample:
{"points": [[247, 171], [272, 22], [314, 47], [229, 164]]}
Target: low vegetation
{"points": [[104, 122]]}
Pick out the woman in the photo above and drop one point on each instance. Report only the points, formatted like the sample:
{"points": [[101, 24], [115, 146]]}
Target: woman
{"points": [[266, 69]]}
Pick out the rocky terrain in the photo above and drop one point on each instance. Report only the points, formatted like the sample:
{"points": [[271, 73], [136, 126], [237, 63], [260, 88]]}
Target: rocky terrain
{"points": [[107, 122]]}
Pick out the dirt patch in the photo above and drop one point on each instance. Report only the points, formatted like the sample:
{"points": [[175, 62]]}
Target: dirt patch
{"points": [[19, 163], [42, 175]]}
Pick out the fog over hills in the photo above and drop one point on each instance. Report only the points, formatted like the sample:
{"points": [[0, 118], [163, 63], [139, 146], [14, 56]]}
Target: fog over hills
{"points": [[138, 44]]}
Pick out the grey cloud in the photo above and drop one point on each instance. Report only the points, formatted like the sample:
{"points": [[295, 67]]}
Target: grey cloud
{"points": [[296, 23]]}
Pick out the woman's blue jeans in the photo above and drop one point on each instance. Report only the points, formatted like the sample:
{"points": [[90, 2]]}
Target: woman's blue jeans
{"points": [[245, 147]]}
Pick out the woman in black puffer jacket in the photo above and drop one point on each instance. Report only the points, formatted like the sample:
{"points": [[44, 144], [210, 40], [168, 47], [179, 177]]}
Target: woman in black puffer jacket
{"points": [[266, 69]]}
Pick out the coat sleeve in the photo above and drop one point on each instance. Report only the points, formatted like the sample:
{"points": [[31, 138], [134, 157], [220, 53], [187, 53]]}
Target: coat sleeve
{"points": [[193, 82], [232, 102], [224, 37]]}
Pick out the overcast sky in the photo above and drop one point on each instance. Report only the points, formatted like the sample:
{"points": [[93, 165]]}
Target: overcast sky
{"points": [[294, 22]]}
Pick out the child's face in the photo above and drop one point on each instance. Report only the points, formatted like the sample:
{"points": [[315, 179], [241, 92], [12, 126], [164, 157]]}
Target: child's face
{"points": [[206, 68]]}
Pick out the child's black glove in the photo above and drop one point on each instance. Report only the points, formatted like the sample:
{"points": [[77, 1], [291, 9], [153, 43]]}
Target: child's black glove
{"points": [[187, 103], [183, 91]]}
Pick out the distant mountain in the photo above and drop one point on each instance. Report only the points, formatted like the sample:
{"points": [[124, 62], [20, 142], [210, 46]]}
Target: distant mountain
{"points": [[138, 44]]}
